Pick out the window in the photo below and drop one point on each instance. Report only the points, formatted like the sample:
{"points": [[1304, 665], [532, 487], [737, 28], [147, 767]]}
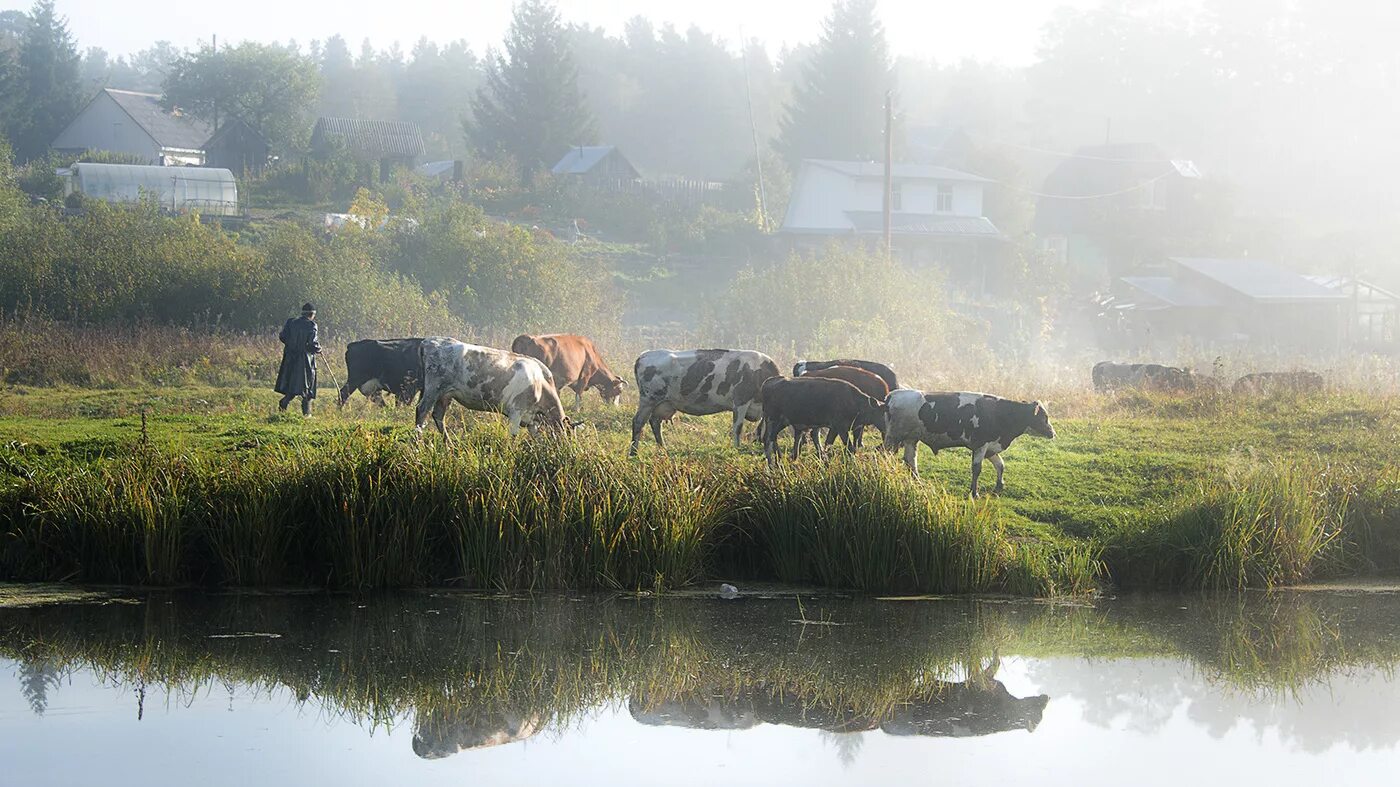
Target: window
{"points": [[945, 198]]}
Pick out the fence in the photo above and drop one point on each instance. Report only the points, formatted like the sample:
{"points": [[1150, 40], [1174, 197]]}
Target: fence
{"points": [[680, 191]]}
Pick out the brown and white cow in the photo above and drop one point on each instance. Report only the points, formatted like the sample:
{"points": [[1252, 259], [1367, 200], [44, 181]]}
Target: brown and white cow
{"points": [[983, 423], [870, 384], [698, 382], [874, 367], [809, 403], [1110, 376], [575, 363], [488, 380]]}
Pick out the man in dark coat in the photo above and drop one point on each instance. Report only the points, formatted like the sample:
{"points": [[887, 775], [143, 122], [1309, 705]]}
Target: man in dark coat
{"points": [[297, 374]]}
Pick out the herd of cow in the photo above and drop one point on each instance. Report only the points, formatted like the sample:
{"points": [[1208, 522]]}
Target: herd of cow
{"points": [[842, 396]]}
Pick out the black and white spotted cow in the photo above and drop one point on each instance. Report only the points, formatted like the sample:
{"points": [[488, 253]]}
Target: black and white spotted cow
{"points": [[699, 382], [373, 366], [983, 423], [488, 380]]}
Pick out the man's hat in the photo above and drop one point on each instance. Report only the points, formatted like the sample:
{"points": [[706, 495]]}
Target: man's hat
{"points": [[308, 307]]}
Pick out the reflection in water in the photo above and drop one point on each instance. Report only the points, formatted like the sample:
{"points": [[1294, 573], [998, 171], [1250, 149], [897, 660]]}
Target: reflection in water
{"points": [[476, 674]]}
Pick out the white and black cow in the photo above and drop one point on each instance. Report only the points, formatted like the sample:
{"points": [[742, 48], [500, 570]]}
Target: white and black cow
{"points": [[983, 423], [373, 366], [699, 382], [488, 380]]}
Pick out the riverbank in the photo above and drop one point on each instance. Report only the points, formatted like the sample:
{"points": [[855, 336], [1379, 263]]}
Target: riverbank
{"points": [[216, 489]]}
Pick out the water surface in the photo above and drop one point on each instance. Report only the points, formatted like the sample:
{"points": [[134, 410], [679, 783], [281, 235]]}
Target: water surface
{"points": [[442, 688]]}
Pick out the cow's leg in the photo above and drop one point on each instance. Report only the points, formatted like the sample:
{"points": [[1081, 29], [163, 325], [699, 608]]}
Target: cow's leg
{"points": [[977, 456], [578, 395], [799, 436], [440, 410], [656, 429], [911, 457], [638, 421], [845, 436], [770, 442], [738, 428], [1000, 465], [857, 435]]}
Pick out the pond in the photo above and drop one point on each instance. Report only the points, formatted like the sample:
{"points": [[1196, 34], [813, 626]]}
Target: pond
{"points": [[448, 688]]}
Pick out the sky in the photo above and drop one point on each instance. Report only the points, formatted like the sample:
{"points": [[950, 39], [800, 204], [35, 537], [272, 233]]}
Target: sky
{"points": [[999, 31]]}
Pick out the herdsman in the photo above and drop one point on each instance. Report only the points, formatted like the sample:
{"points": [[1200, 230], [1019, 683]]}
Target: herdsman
{"points": [[297, 374]]}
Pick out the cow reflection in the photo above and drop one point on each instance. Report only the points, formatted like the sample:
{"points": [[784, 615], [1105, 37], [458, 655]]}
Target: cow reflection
{"points": [[981, 705], [439, 735]]}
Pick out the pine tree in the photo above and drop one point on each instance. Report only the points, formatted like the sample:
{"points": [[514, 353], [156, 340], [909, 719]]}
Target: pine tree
{"points": [[50, 84], [530, 106], [837, 108]]}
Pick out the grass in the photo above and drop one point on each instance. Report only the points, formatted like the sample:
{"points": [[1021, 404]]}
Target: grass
{"points": [[1139, 490]]}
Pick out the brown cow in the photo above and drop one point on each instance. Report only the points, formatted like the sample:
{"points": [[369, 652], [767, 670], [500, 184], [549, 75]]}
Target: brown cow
{"points": [[869, 384], [574, 362]]}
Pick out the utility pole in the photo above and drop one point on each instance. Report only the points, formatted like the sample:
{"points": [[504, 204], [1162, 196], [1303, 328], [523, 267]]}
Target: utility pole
{"points": [[889, 166], [753, 131], [215, 49]]}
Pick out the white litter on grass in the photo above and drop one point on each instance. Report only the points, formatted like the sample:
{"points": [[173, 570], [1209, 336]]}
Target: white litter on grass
{"points": [[246, 635]]}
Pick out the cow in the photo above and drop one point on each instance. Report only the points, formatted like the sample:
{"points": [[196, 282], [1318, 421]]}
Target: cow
{"points": [[575, 363], [373, 366], [698, 382], [1110, 376], [807, 403], [1278, 382], [981, 705], [869, 383], [441, 734], [488, 380], [884, 372], [983, 423]]}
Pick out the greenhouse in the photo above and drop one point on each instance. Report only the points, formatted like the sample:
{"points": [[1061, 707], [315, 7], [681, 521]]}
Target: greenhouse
{"points": [[212, 192]]}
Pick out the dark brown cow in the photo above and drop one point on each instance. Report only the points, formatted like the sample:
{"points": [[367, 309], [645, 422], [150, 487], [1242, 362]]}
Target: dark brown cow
{"points": [[807, 403], [575, 363], [869, 384], [1110, 376], [983, 423], [885, 373], [1278, 382]]}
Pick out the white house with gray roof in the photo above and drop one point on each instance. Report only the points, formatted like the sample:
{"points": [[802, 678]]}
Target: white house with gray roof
{"points": [[124, 121], [936, 212]]}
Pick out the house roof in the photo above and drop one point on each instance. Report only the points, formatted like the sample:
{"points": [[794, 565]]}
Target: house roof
{"points": [[1348, 286], [876, 169], [168, 129], [582, 158], [434, 169], [1259, 280], [1171, 292], [371, 138]]}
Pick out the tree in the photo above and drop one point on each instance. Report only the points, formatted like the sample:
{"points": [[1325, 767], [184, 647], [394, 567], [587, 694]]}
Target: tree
{"points": [[837, 108], [49, 86], [272, 88], [531, 107]]}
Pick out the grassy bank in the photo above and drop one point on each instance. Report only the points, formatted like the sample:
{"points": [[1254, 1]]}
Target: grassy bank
{"points": [[1137, 491]]}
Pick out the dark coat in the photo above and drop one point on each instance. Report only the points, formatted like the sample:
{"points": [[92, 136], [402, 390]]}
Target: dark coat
{"points": [[297, 374]]}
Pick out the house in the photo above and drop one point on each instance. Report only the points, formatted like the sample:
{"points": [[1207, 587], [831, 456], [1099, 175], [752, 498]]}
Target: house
{"points": [[1109, 209], [595, 164], [935, 212], [1215, 302], [124, 121], [389, 143], [238, 147], [1371, 314], [210, 191]]}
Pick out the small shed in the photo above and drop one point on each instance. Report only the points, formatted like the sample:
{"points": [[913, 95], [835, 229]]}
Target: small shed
{"points": [[391, 143], [597, 163], [238, 147], [212, 192]]}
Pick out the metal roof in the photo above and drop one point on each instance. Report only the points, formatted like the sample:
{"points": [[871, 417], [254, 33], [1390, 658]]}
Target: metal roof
{"points": [[1259, 280], [581, 159], [168, 129], [371, 138], [876, 169], [1171, 292], [923, 224], [434, 169]]}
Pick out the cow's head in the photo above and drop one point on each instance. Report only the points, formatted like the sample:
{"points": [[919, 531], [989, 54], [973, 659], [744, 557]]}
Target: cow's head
{"points": [[799, 368], [610, 388], [874, 412], [1040, 421]]}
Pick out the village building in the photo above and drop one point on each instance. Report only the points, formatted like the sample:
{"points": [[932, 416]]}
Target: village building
{"points": [[390, 144], [239, 148], [936, 213], [595, 165], [206, 190], [135, 124]]}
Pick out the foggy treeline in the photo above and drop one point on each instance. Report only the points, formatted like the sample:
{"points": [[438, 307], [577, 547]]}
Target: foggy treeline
{"points": [[1293, 104]]}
